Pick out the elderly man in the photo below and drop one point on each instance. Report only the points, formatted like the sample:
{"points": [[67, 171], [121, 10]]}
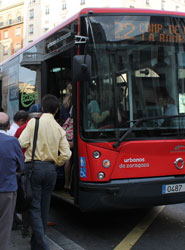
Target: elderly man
{"points": [[12, 160]]}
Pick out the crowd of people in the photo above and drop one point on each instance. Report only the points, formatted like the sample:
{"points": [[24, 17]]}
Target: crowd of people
{"points": [[53, 148], [16, 143]]}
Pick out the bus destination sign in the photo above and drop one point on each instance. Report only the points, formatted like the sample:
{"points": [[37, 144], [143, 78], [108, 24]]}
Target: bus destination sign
{"points": [[152, 32]]}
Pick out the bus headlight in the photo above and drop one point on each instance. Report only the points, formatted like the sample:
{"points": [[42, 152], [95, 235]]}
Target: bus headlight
{"points": [[106, 163], [96, 154], [101, 175]]}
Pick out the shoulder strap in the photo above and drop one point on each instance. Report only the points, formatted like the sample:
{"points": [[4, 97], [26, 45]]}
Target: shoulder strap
{"points": [[35, 138]]}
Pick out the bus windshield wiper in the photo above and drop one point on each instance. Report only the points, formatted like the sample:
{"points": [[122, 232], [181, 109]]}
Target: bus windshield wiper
{"points": [[137, 122]]}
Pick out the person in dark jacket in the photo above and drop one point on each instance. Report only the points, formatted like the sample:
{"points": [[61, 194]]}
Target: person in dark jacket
{"points": [[12, 160]]}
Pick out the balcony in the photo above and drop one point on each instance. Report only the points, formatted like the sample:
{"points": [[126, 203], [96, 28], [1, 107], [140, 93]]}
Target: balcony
{"points": [[11, 22]]}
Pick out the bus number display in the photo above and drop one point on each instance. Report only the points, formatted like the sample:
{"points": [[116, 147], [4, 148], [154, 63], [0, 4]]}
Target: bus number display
{"points": [[145, 31]]}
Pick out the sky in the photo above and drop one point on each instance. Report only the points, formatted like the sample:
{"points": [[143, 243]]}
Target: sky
{"points": [[5, 2]]}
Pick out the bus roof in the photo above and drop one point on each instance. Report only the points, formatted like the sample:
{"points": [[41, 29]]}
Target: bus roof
{"points": [[130, 10], [91, 11]]}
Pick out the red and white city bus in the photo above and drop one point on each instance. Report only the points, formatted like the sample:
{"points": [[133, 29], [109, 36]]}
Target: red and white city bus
{"points": [[127, 68]]}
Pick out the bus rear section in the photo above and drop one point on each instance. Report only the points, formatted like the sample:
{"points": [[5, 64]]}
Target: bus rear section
{"points": [[131, 128]]}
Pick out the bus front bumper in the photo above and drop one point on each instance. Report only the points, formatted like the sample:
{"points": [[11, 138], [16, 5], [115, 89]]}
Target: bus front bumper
{"points": [[129, 193]]}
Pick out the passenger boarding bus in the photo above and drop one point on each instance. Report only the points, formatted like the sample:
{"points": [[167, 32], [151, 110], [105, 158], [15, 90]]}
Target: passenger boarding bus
{"points": [[127, 69]]}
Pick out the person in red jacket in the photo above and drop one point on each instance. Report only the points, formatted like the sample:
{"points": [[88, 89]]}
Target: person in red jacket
{"points": [[34, 111]]}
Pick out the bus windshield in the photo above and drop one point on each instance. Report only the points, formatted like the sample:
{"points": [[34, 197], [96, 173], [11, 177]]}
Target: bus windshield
{"points": [[138, 71]]}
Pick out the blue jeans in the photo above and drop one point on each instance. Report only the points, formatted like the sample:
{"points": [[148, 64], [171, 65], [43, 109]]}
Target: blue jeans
{"points": [[43, 182]]}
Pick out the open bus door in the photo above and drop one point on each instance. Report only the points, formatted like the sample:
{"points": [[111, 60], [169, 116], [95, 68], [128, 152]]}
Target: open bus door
{"points": [[81, 72]]}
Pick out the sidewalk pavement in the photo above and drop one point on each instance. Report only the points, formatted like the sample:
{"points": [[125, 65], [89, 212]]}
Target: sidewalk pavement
{"points": [[20, 243], [56, 240]]}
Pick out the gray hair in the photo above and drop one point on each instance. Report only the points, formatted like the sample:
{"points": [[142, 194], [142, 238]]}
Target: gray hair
{"points": [[4, 121]]}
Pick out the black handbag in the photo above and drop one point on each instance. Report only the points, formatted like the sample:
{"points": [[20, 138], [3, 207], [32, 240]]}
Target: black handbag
{"points": [[24, 192]]}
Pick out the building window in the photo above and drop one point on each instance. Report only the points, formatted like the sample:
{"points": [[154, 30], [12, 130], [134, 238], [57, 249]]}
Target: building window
{"points": [[17, 47], [6, 34], [18, 31], [5, 50], [32, 1], [30, 30], [19, 19], [47, 10], [1, 22], [46, 29], [148, 2], [31, 13], [131, 6], [64, 6], [82, 2], [18, 16], [9, 21], [162, 6]]}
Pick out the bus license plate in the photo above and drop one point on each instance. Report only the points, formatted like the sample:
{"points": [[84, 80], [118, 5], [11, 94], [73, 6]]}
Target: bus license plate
{"points": [[173, 188]]}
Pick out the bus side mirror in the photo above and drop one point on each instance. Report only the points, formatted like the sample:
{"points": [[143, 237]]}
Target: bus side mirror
{"points": [[82, 68]]}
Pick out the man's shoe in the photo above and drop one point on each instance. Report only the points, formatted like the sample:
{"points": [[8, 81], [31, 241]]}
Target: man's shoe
{"points": [[25, 232], [16, 226]]}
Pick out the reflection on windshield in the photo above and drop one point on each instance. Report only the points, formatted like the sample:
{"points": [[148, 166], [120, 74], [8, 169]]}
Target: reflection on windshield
{"points": [[137, 74], [176, 127]]}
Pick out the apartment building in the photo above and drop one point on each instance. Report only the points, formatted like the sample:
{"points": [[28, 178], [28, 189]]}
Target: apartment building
{"points": [[43, 15], [171, 5], [40, 16], [11, 28]]}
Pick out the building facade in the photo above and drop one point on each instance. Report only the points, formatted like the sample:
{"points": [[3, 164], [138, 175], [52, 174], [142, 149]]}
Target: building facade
{"points": [[11, 28], [43, 15], [23, 21]]}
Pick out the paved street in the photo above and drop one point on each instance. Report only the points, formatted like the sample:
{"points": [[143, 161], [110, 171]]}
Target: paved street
{"points": [[158, 228]]}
